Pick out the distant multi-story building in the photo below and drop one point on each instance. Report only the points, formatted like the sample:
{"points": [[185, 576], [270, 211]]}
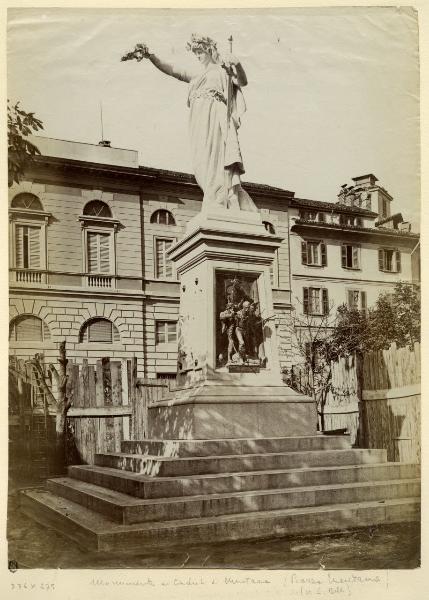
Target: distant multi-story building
{"points": [[350, 251], [90, 231]]}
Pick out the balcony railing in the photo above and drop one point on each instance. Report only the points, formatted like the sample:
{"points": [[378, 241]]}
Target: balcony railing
{"points": [[100, 281], [30, 277]]}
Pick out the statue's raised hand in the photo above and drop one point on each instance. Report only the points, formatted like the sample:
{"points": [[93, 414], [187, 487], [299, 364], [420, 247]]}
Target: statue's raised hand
{"points": [[230, 60], [140, 52]]}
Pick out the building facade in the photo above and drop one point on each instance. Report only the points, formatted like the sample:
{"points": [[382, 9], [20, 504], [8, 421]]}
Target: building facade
{"points": [[89, 236], [350, 251]]}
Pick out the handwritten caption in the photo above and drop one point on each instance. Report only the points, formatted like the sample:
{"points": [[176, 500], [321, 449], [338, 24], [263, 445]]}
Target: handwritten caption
{"points": [[297, 585]]}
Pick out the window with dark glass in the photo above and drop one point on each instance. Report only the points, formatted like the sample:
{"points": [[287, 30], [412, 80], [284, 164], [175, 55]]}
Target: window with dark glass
{"points": [[162, 217], [165, 332]]}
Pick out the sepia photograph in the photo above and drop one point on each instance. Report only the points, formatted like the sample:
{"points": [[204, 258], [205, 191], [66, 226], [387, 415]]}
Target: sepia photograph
{"points": [[214, 290]]}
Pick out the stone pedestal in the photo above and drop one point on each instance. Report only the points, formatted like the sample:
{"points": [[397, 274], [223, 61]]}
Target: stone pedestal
{"points": [[217, 398]]}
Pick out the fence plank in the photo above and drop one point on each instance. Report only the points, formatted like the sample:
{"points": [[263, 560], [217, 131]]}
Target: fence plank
{"points": [[107, 387], [116, 374], [391, 411]]}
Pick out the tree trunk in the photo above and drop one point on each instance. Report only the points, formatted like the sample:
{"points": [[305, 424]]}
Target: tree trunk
{"points": [[63, 405], [361, 435]]}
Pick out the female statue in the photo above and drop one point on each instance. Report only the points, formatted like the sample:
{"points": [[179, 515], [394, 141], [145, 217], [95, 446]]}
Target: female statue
{"points": [[216, 104]]}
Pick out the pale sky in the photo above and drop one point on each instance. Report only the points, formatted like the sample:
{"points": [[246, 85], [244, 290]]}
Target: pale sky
{"points": [[332, 94]]}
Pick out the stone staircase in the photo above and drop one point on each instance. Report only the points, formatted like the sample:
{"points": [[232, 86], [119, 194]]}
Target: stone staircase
{"points": [[163, 492]]}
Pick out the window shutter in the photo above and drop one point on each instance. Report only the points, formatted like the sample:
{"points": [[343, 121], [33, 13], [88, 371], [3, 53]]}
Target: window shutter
{"points": [[363, 300], [325, 301], [34, 247], [159, 258], [92, 252], [100, 331], [168, 263], [381, 259], [323, 254], [350, 299], [398, 261], [344, 256], [304, 253], [305, 300], [29, 329], [19, 246], [104, 241], [355, 257]]}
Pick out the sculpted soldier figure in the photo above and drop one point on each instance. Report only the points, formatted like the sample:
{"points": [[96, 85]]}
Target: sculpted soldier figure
{"points": [[242, 323], [216, 104]]}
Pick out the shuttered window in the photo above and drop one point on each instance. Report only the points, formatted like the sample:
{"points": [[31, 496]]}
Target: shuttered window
{"points": [[313, 253], [166, 332], [27, 247], [163, 264], [315, 301], [29, 329], [98, 252], [350, 256], [356, 299], [389, 260], [99, 331]]}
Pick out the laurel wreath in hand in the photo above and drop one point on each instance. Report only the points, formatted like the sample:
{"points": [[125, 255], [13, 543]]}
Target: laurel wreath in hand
{"points": [[140, 52]]}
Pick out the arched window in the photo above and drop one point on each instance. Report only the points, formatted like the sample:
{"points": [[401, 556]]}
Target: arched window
{"points": [[162, 217], [28, 328], [99, 331], [269, 227], [97, 208], [27, 202]]}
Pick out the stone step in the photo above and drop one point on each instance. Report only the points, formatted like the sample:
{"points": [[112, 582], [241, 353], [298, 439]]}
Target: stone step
{"points": [[161, 466], [187, 448], [142, 486], [95, 531], [128, 509]]}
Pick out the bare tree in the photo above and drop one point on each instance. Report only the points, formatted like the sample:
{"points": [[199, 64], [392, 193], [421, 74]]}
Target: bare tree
{"points": [[311, 349]]}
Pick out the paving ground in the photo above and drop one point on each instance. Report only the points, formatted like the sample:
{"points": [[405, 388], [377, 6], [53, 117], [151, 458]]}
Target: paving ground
{"points": [[386, 547]]}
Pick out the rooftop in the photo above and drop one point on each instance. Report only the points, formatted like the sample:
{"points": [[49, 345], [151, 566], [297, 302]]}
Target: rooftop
{"points": [[352, 228], [332, 207]]}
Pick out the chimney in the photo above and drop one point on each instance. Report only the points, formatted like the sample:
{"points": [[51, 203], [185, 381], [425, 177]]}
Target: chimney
{"points": [[369, 179]]}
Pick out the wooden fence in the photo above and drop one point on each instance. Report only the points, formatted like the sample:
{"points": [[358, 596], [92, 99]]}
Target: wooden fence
{"points": [[387, 415], [391, 402], [109, 404], [341, 409]]}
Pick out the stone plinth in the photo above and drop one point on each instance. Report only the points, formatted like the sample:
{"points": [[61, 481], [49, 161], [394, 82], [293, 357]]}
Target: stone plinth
{"points": [[221, 411], [213, 400]]}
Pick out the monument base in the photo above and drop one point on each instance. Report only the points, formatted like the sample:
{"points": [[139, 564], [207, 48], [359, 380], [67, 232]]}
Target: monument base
{"points": [[228, 412]]}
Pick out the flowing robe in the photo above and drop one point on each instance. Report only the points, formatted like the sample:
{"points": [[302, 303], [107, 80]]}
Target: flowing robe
{"points": [[215, 148]]}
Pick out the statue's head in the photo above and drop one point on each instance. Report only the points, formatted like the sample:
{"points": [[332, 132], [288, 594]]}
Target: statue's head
{"points": [[203, 45]]}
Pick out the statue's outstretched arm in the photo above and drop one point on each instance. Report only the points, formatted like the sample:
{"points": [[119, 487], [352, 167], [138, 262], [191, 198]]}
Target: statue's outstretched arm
{"points": [[141, 51], [168, 68]]}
